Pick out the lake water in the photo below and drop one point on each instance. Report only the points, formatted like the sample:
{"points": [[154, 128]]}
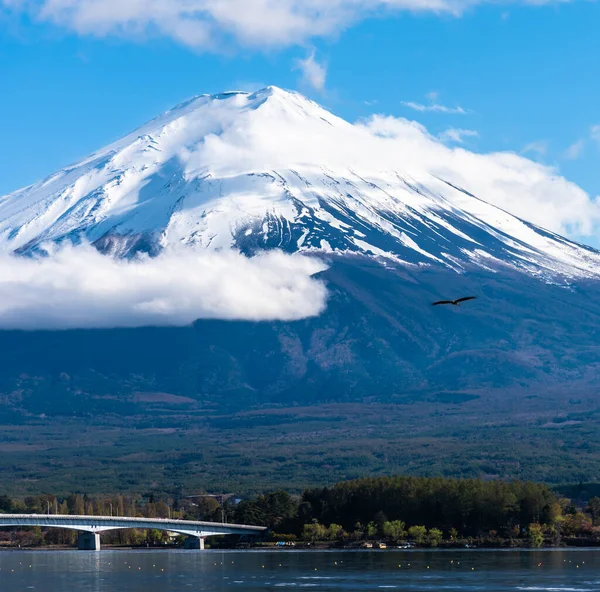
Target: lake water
{"points": [[174, 571]]}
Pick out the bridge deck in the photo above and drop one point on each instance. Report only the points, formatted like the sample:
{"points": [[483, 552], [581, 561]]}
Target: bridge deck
{"points": [[98, 524]]}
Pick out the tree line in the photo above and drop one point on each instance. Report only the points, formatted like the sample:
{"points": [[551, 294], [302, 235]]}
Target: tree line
{"points": [[423, 511]]}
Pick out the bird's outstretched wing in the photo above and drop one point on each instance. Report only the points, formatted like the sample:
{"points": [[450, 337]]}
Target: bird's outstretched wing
{"points": [[467, 298], [443, 302]]}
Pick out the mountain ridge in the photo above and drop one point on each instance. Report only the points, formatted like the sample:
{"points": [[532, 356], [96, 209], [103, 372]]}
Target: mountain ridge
{"points": [[234, 171]]}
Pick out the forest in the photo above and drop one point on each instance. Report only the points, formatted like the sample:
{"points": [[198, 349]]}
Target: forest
{"points": [[395, 510], [426, 511]]}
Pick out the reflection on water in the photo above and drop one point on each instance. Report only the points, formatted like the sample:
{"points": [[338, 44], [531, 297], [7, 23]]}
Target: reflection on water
{"points": [[170, 571]]}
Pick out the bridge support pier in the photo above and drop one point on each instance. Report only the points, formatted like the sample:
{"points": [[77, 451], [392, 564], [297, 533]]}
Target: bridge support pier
{"points": [[88, 541], [194, 543]]}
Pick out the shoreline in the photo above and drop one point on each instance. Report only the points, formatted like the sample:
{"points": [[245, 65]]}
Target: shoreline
{"points": [[323, 549]]}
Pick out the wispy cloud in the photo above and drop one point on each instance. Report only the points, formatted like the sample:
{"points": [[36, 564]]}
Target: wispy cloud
{"points": [[433, 106], [595, 133], [457, 135], [77, 287], [313, 73], [575, 150], [205, 24], [539, 147]]}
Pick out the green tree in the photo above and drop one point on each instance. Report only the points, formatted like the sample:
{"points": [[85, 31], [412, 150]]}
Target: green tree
{"points": [[276, 510], [470, 506], [417, 534], [578, 524], [279, 506], [156, 537], [6, 504], [37, 536], [34, 505], [394, 531], [335, 532], [249, 512], [380, 519], [314, 532], [434, 537], [535, 534], [593, 509]]}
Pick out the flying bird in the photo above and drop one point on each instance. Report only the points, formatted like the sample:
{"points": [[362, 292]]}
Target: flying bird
{"points": [[455, 302]]}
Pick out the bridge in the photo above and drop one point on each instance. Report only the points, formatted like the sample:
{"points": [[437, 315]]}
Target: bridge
{"points": [[90, 527]]}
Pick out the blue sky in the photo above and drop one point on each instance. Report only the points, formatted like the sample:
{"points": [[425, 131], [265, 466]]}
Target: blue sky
{"points": [[512, 76]]}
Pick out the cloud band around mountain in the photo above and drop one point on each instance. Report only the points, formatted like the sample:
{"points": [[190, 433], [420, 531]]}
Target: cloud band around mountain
{"points": [[80, 288]]}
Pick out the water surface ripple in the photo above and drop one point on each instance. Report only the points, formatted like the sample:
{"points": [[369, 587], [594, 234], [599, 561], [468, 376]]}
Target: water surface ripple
{"points": [[211, 571]]}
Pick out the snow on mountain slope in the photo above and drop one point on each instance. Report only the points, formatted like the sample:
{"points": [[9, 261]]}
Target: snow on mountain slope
{"points": [[274, 170]]}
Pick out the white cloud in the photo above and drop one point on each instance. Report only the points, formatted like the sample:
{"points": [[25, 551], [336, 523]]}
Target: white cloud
{"points": [[381, 148], [575, 150], [595, 133], [457, 135], [434, 108], [313, 73], [77, 287], [527, 189], [204, 23], [539, 147]]}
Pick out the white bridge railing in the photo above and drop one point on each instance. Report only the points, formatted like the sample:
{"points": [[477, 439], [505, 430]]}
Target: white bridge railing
{"points": [[92, 526]]}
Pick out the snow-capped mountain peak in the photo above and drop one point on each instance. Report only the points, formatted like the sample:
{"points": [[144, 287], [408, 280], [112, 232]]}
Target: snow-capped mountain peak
{"points": [[273, 169]]}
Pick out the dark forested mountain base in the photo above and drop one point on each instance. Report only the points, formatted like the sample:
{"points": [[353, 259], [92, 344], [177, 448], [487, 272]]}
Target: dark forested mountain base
{"points": [[382, 383]]}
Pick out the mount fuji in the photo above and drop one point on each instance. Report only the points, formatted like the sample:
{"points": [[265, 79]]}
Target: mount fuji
{"points": [[381, 382], [275, 170]]}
